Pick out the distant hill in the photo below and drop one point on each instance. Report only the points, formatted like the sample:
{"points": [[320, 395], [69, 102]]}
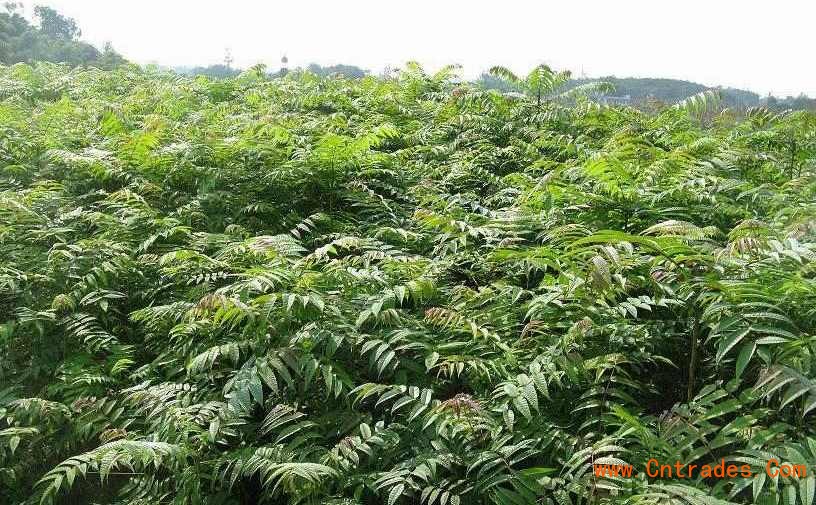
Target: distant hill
{"points": [[671, 90], [638, 90]]}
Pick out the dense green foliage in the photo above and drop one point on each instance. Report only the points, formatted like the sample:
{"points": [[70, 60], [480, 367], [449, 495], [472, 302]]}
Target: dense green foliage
{"points": [[399, 291], [56, 39]]}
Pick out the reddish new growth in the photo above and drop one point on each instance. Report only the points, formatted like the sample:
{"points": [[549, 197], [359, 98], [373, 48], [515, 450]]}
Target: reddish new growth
{"points": [[461, 403]]}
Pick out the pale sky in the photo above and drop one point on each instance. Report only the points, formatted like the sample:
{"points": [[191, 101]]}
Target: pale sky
{"points": [[751, 44]]}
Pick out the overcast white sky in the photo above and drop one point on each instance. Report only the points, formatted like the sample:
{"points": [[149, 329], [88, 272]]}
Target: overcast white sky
{"points": [[765, 46]]}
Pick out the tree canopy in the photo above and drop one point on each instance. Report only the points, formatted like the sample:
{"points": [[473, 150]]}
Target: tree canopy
{"points": [[56, 39]]}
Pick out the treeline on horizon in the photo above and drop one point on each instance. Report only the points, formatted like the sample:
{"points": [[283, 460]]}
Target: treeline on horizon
{"points": [[57, 39], [634, 91]]}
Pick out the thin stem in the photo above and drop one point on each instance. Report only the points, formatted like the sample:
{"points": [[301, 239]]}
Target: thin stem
{"points": [[695, 338]]}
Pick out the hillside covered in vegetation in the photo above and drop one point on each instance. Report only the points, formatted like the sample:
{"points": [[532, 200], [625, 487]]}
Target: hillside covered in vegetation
{"points": [[641, 91], [404, 290]]}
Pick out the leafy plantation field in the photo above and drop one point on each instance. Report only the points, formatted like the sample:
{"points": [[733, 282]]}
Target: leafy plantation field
{"points": [[397, 291]]}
